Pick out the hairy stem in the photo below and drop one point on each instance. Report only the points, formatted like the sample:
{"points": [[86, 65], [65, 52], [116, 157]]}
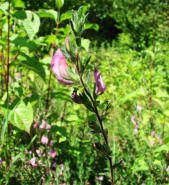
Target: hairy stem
{"points": [[97, 115]]}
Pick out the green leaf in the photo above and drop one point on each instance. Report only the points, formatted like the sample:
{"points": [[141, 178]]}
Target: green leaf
{"points": [[138, 93], [4, 7], [32, 63], [65, 16], [85, 43], [140, 165], [59, 3], [22, 116], [48, 14], [20, 14], [31, 24], [91, 26], [18, 4]]}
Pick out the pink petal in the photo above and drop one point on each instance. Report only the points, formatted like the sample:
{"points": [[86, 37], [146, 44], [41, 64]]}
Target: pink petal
{"points": [[59, 67], [100, 86]]}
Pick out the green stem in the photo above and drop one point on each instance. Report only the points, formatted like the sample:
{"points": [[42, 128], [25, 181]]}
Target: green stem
{"points": [[97, 115]]}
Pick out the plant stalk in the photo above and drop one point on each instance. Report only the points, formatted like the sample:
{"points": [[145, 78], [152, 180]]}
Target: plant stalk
{"points": [[97, 115]]}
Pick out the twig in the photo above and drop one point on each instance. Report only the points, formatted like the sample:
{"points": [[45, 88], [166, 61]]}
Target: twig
{"points": [[97, 115]]}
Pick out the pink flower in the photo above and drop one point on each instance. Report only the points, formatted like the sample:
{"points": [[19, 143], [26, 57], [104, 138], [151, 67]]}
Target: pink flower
{"points": [[0, 162], [133, 119], [153, 133], [32, 162], [161, 142], [35, 125], [44, 140], [48, 127], [51, 143], [59, 67], [100, 86], [99, 178], [166, 178], [43, 124], [167, 170], [152, 142], [38, 152], [52, 153], [139, 108], [54, 164]]}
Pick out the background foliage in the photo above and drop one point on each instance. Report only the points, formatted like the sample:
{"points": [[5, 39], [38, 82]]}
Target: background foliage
{"points": [[128, 43]]}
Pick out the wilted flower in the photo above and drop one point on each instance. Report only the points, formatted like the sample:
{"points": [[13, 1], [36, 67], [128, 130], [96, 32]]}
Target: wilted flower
{"points": [[59, 67], [100, 86], [44, 140], [76, 98], [32, 162]]}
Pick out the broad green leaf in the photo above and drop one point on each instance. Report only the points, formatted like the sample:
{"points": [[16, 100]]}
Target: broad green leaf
{"points": [[48, 14], [18, 4], [91, 26], [22, 116], [20, 14], [59, 3], [65, 16], [32, 63], [31, 24]]}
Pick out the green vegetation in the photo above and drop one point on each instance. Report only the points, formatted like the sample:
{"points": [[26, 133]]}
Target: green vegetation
{"points": [[51, 117]]}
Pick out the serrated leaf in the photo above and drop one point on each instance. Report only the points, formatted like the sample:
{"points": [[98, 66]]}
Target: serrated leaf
{"points": [[31, 24], [48, 14], [22, 116]]}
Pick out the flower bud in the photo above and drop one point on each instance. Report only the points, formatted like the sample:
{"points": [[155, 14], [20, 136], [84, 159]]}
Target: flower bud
{"points": [[100, 86]]}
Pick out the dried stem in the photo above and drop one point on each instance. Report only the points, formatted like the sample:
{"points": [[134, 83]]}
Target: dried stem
{"points": [[97, 115]]}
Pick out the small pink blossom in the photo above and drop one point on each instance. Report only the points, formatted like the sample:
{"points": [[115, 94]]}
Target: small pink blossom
{"points": [[139, 108], [44, 140], [99, 178], [18, 76], [35, 125], [51, 143], [100, 86], [161, 142], [0, 162], [39, 152], [54, 164], [166, 178], [167, 170], [52, 153], [153, 133], [133, 119], [152, 142], [48, 127], [59, 67], [43, 124], [32, 162]]}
